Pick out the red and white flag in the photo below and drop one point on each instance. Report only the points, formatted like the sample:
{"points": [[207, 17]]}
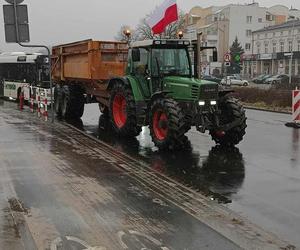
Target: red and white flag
{"points": [[162, 16]]}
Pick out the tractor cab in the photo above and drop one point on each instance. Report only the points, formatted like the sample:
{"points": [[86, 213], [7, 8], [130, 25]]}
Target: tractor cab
{"points": [[165, 66]]}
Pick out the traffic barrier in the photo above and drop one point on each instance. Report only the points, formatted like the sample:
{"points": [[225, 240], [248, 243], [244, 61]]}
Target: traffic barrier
{"points": [[38, 104], [296, 110], [46, 109], [296, 105]]}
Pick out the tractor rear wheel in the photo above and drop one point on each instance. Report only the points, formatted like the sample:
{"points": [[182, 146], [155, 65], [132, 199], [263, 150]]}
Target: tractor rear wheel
{"points": [[167, 124], [231, 110], [123, 111]]}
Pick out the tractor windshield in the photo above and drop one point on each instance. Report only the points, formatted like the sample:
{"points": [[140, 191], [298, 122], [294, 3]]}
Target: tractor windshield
{"points": [[171, 62]]}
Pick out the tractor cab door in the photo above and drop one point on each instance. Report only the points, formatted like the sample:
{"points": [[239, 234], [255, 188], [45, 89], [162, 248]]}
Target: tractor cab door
{"points": [[140, 69]]}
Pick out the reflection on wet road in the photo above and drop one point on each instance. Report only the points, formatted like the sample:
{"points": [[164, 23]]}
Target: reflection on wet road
{"points": [[260, 179], [218, 174]]}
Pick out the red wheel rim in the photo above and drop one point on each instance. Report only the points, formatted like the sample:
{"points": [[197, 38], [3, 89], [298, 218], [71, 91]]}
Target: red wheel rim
{"points": [[119, 110], [160, 125]]}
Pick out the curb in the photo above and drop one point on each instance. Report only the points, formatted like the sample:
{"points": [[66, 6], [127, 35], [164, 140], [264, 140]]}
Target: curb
{"points": [[268, 110]]}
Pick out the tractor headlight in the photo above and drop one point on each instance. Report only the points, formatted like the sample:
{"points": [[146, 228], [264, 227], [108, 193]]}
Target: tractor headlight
{"points": [[202, 103], [213, 103]]}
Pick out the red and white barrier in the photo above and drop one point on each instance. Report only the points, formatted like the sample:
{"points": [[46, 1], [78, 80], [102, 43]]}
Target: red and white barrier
{"points": [[296, 106], [46, 108], [38, 97], [38, 104]]}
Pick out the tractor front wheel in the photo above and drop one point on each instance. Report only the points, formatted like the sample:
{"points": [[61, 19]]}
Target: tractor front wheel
{"points": [[231, 110], [167, 124], [123, 111]]}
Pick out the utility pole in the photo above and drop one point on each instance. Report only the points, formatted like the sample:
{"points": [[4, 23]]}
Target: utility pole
{"points": [[292, 51], [199, 54]]}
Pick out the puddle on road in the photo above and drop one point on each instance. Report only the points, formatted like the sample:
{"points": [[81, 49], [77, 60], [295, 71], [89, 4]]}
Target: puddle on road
{"points": [[218, 175]]}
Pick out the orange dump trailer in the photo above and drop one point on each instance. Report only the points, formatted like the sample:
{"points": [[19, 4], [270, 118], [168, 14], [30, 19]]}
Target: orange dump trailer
{"points": [[89, 64]]}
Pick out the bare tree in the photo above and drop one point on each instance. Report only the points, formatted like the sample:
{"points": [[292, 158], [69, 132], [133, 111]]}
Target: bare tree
{"points": [[143, 31]]}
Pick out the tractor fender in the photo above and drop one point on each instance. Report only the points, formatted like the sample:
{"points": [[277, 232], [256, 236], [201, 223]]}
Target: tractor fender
{"points": [[160, 94], [128, 81], [223, 93]]}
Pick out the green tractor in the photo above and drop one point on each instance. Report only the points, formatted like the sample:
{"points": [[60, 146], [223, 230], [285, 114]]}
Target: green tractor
{"points": [[160, 91]]}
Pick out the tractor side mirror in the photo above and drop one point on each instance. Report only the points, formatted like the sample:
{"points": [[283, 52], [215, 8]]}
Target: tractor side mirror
{"points": [[136, 55], [215, 56]]}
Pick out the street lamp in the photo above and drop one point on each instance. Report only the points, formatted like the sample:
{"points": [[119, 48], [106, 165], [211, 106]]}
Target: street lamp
{"points": [[180, 34]]}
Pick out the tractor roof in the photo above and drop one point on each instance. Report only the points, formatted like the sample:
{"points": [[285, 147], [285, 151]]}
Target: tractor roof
{"points": [[149, 43]]}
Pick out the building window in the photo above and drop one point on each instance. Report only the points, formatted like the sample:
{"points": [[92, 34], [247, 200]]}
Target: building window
{"points": [[290, 32], [281, 33], [258, 48], [281, 46], [290, 46], [266, 35], [258, 36], [274, 47], [274, 34], [248, 46], [248, 33], [299, 47], [260, 20], [249, 19], [266, 48]]}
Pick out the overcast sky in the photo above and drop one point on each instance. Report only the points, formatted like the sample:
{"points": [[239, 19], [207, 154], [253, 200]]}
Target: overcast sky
{"points": [[60, 21]]}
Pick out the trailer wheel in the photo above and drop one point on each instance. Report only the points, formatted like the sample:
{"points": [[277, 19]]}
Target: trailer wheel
{"points": [[122, 111], [167, 125], [231, 110], [57, 101], [73, 101]]}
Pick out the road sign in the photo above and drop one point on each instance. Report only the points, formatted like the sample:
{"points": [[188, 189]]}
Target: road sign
{"points": [[237, 58], [227, 64], [227, 57], [13, 1], [16, 32]]}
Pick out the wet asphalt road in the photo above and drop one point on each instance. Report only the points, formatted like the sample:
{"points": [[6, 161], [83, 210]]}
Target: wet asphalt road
{"points": [[60, 190], [72, 193], [260, 179]]}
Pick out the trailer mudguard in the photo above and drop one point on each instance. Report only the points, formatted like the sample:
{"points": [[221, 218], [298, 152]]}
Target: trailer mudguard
{"points": [[128, 80]]}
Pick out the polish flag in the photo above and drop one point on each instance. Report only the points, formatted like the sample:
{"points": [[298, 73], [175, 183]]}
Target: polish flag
{"points": [[162, 16]]}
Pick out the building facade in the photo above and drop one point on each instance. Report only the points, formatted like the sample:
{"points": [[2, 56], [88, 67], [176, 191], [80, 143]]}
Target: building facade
{"points": [[273, 47], [221, 25]]}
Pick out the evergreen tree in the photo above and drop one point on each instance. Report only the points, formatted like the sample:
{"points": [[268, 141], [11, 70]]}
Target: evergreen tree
{"points": [[236, 47], [236, 50]]}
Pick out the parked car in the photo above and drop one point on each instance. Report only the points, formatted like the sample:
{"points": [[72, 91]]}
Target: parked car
{"points": [[212, 79], [277, 79], [233, 80], [262, 79], [258, 78]]}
